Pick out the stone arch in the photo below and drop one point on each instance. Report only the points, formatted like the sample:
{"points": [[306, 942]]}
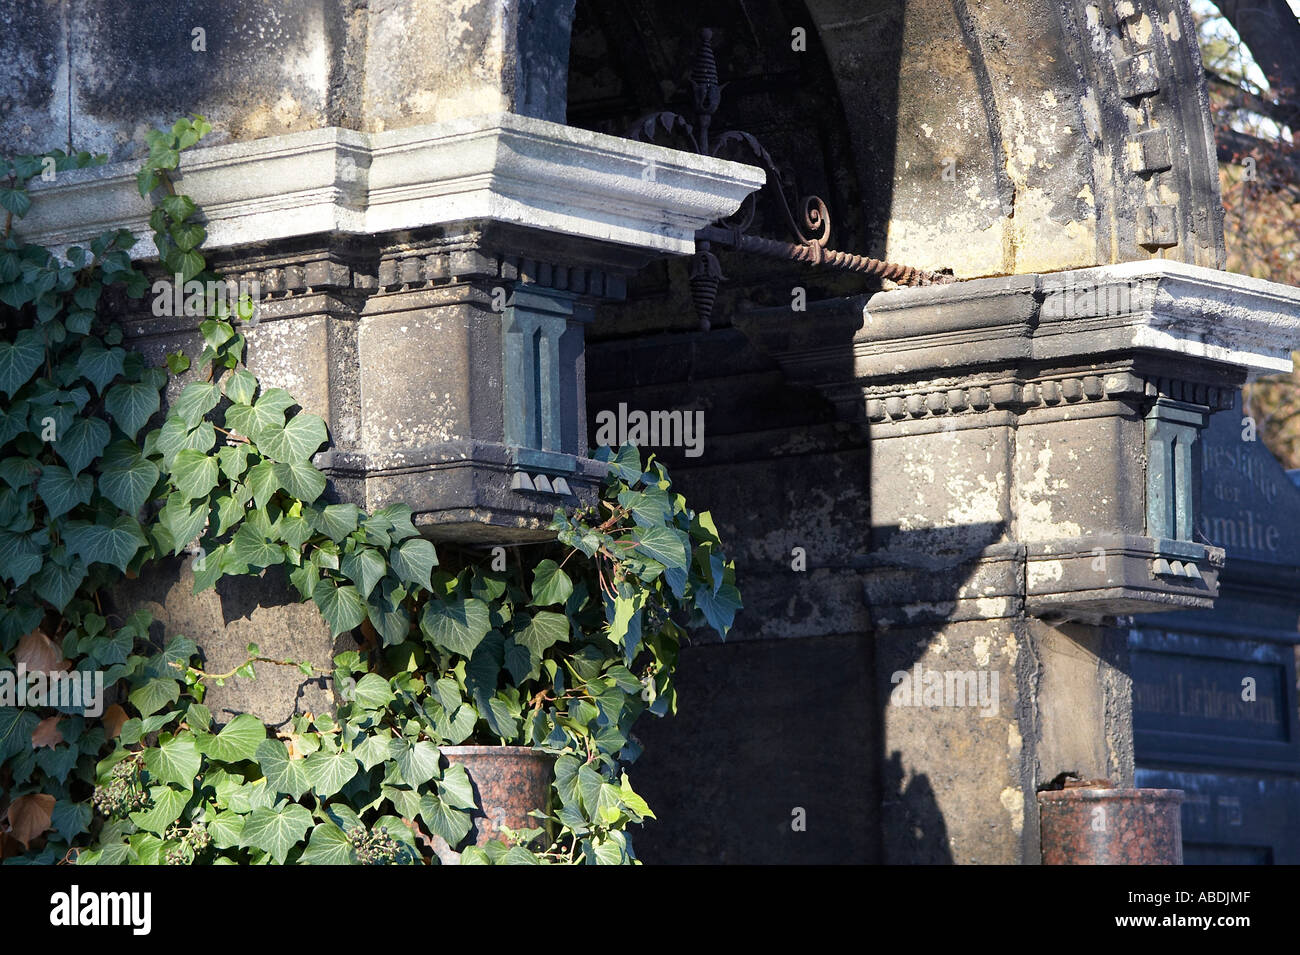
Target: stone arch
{"points": [[989, 138]]}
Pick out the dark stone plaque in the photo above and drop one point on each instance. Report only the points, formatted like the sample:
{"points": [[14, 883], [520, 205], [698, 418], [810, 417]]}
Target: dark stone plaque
{"points": [[1205, 700], [1249, 505], [1234, 819]]}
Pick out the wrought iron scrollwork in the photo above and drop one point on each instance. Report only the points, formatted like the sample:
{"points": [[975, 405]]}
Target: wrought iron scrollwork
{"points": [[810, 228]]}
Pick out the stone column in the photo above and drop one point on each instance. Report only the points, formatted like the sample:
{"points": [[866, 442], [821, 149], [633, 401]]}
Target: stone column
{"points": [[1032, 481]]}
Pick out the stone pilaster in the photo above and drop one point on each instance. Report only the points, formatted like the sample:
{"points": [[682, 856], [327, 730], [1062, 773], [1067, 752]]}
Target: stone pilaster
{"points": [[1033, 476]]}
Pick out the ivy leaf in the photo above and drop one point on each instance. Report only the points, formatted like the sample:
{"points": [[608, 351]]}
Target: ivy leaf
{"points": [[373, 749], [126, 477], [19, 359], [61, 492], [241, 386], [295, 442], [176, 761], [216, 332], [502, 718], [329, 772], [19, 472], [456, 729], [238, 740], [199, 717], [154, 695], [551, 585], [20, 557], [398, 518], [225, 829], [365, 567], [417, 763], [178, 652], [625, 463], [609, 851], [387, 615], [283, 774], [304, 481], [175, 435], [178, 208], [543, 631], [667, 545], [405, 801], [450, 823], [447, 693], [625, 626], [83, 441], [274, 831], [188, 264], [456, 789], [196, 400], [132, 404], [99, 364], [13, 421], [336, 521], [328, 845], [719, 609], [372, 692], [414, 560], [267, 412], [519, 661], [294, 531], [589, 783], [264, 481], [249, 547], [167, 806], [233, 459], [342, 607], [58, 581], [114, 543], [566, 779], [194, 473], [650, 507], [484, 668], [633, 801], [182, 520], [70, 819], [15, 201], [456, 625], [188, 235], [146, 180]]}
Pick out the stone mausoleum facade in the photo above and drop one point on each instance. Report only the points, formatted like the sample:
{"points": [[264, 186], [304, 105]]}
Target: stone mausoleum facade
{"points": [[983, 434]]}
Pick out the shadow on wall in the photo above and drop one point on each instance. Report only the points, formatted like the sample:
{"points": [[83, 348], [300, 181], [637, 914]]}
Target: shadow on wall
{"points": [[923, 838], [777, 753]]}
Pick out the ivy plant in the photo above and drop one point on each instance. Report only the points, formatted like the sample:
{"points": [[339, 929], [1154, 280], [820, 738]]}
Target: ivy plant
{"points": [[561, 652]]}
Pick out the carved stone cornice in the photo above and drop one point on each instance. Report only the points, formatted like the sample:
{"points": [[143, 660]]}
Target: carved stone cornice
{"points": [[569, 183], [1167, 308]]}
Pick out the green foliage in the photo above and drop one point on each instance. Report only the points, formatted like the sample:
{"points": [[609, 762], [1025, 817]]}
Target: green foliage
{"points": [[562, 657]]}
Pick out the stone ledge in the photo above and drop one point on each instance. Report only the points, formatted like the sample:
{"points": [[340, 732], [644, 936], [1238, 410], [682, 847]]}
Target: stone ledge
{"points": [[1087, 578], [1156, 307], [500, 167]]}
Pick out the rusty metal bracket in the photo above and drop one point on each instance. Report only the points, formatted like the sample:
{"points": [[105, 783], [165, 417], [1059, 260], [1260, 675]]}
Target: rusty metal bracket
{"points": [[811, 229]]}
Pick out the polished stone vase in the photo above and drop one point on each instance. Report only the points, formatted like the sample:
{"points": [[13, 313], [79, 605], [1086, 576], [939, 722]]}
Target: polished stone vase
{"points": [[509, 782]]}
